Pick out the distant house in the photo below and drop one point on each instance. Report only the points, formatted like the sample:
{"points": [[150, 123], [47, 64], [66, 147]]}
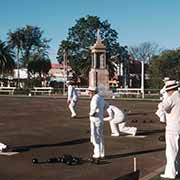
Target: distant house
{"points": [[58, 73], [132, 75]]}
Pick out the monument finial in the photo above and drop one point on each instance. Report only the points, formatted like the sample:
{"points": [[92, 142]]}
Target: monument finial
{"points": [[98, 36], [98, 44]]}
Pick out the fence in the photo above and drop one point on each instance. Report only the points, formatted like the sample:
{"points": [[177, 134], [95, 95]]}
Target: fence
{"points": [[127, 92], [9, 90], [83, 91]]}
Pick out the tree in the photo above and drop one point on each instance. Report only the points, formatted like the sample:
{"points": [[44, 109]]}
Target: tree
{"points": [[81, 37], [144, 51], [7, 63], [27, 40], [165, 64], [122, 57], [39, 63]]}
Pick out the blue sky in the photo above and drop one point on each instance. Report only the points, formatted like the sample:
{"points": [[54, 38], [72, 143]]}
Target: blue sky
{"points": [[136, 21]]}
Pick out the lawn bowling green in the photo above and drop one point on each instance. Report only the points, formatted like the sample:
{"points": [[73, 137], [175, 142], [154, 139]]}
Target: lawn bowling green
{"points": [[42, 128]]}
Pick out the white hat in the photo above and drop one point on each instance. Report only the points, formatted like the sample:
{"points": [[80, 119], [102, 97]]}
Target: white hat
{"points": [[166, 79], [68, 82], [92, 88], [171, 84]]}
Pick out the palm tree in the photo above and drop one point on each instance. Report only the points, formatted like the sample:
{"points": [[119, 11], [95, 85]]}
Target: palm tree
{"points": [[39, 64], [15, 41], [7, 63], [27, 41]]}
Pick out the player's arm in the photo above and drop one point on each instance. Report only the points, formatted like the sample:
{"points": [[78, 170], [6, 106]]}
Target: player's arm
{"points": [[110, 113], [93, 107]]}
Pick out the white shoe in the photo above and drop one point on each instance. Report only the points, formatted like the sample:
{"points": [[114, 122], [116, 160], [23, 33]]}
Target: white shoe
{"points": [[95, 157], [73, 116], [134, 133], [115, 134], [102, 157], [166, 177]]}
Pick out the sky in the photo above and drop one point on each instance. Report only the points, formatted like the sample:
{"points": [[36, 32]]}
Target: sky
{"points": [[136, 21]]}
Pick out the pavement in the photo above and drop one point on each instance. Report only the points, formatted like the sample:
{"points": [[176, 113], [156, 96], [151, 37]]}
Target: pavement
{"points": [[41, 128]]}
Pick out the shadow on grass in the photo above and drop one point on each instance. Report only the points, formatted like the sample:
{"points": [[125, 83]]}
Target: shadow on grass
{"points": [[102, 162], [82, 117], [137, 113], [114, 156], [130, 176], [66, 143], [149, 132]]}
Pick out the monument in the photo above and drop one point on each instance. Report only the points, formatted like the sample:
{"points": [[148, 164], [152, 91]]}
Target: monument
{"points": [[99, 75]]}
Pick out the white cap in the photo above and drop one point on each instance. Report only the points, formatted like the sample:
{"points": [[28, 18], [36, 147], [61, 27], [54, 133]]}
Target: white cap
{"points": [[171, 84], [68, 82], [166, 79], [92, 88]]}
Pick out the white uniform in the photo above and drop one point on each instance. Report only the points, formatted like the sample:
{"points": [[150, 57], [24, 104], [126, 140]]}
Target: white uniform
{"points": [[72, 99], [160, 112], [97, 108], [117, 120], [172, 107], [163, 93]]}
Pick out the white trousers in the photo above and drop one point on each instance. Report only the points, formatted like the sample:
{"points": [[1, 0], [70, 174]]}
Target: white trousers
{"points": [[97, 138], [117, 127], [72, 106], [172, 155]]}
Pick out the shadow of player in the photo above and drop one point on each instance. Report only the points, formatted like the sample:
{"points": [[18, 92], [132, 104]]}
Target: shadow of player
{"points": [[34, 146], [130, 176]]}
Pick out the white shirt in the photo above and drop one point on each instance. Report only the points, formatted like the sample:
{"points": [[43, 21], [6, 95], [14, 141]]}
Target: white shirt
{"points": [[172, 107], [72, 94], [97, 107], [163, 93], [115, 113]]}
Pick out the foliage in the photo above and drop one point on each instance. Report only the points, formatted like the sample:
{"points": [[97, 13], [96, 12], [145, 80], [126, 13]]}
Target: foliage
{"points": [[166, 64], [122, 57], [40, 64], [144, 52], [28, 40], [80, 39], [7, 63]]}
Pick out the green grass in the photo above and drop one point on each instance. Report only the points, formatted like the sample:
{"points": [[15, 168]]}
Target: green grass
{"points": [[155, 178]]}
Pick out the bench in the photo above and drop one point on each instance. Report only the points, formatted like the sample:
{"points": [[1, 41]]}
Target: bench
{"points": [[128, 91], [41, 90], [82, 91], [9, 90]]}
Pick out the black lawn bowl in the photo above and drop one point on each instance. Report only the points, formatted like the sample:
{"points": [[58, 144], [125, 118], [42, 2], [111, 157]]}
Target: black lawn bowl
{"points": [[66, 159]]}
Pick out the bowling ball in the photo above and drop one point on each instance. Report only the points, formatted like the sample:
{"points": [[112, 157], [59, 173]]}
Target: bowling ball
{"points": [[52, 160], [63, 160], [162, 138], [69, 162], [66, 158], [59, 159], [96, 161], [76, 160], [35, 161]]}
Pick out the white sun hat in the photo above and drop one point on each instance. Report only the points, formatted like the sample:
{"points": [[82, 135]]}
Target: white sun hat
{"points": [[166, 79], [92, 88], [171, 84], [68, 82]]}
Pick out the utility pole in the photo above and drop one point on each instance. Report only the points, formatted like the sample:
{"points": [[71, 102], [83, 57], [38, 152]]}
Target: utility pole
{"points": [[18, 64], [18, 74], [142, 78], [65, 69]]}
